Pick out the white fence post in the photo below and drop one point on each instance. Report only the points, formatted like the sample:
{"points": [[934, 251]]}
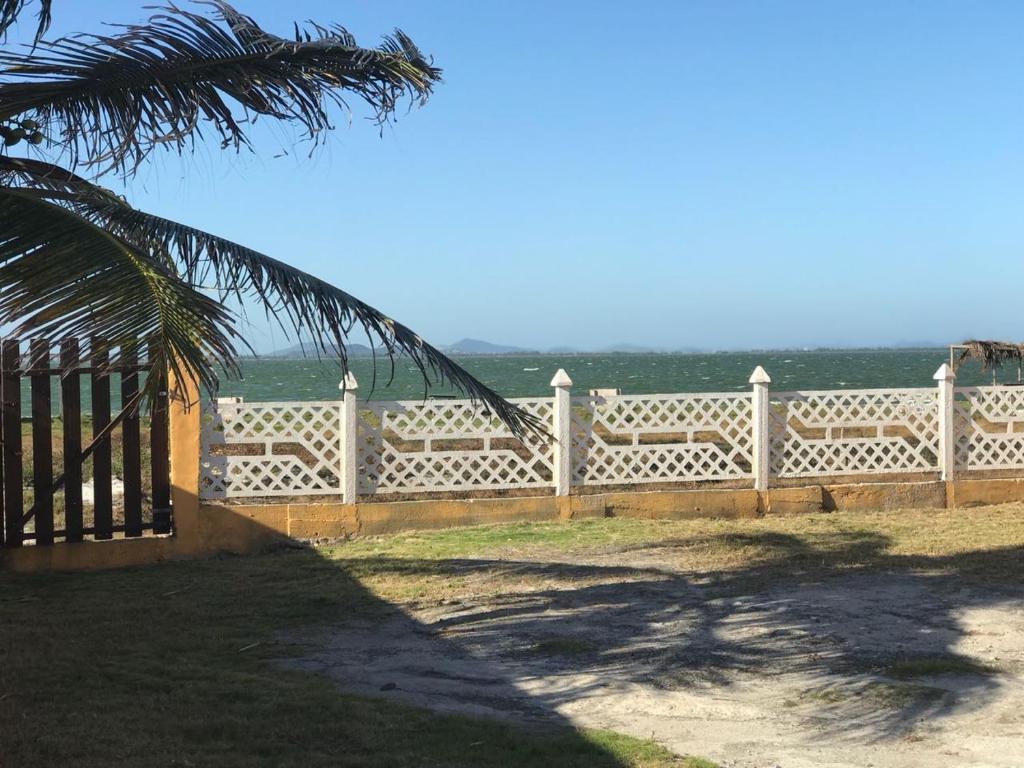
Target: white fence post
{"points": [[347, 435], [561, 431], [760, 380], [945, 377]]}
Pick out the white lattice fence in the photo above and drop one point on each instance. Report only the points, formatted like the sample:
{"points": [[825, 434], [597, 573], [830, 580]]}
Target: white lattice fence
{"points": [[989, 424], [448, 445], [661, 438], [298, 449], [852, 432], [271, 449]]}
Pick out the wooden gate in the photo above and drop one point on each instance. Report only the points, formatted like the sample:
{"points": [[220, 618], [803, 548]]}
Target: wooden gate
{"points": [[58, 485]]}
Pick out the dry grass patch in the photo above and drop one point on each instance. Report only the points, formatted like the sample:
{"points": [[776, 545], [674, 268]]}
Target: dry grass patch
{"points": [[984, 544]]}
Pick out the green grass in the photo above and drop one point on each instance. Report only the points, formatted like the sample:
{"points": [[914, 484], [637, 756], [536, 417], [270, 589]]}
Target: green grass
{"points": [[983, 545], [928, 666], [177, 664], [174, 665]]}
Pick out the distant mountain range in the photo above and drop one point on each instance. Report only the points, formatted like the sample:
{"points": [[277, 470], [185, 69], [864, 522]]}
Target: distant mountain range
{"points": [[478, 347], [470, 347], [298, 351]]}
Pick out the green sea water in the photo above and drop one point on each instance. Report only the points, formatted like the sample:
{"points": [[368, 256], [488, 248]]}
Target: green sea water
{"points": [[529, 375]]}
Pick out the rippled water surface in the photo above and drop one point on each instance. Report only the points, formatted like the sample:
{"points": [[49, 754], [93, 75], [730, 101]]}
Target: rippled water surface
{"points": [[529, 375]]}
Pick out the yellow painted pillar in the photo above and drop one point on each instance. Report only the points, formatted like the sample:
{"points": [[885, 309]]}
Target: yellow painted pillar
{"points": [[184, 418]]}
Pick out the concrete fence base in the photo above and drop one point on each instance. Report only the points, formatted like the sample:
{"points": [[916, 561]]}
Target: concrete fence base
{"points": [[208, 529]]}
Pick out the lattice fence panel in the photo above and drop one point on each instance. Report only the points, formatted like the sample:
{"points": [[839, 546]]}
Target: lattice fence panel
{"points": [[627, 439], [448, 445], [853, 432], [271, 449], [989, 424]]}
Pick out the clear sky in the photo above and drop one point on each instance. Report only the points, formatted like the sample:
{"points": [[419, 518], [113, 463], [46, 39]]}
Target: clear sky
{"points": [[679, 174]]}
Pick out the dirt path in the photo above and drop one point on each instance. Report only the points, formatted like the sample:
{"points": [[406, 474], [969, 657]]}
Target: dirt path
{"points": [[873, 669]]}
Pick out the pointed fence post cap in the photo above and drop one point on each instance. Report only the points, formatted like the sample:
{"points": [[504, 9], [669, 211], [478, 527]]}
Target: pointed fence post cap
{"points": [[945, 373], [760, 376], [348, 383], [561, 379]]}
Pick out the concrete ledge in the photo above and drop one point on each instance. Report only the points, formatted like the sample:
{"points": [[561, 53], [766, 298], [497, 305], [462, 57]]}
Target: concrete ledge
{"points": [[976, 493], [680, 505], [447, 513], [794, 501], [209, 528], [866, 496], [88, 555], [319, 521]]}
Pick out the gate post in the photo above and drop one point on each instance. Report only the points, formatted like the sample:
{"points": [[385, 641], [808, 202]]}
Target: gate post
{"points": [[184, 420], [946, 378], [760, 380], [561, 430], [348, 436]]}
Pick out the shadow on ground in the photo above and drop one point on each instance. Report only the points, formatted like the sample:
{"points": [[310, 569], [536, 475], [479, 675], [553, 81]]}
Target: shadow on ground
{"points": [[832, 641], [179, 664]]}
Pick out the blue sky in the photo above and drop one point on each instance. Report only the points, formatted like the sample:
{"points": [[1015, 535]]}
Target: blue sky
{"points": [[678, 174]]}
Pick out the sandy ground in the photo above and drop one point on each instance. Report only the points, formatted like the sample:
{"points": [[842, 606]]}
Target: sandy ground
{"points": [[793, 674]]}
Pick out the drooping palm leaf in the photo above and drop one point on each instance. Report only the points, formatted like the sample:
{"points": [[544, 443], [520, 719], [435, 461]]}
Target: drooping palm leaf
{"points": [[302, 304], [992, 354], [39, 174], [11, 9], [61, 275], [111, 99]]}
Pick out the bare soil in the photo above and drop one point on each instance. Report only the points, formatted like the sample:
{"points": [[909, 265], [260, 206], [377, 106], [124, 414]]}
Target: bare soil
{"points": [[889, 667]]}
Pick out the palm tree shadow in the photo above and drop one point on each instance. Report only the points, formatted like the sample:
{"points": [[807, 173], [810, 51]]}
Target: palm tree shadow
{"points": [[869, 643], [173, 639]]}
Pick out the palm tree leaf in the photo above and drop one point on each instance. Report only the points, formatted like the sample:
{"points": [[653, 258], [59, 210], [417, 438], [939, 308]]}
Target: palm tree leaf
{"points": [[11, 9], [113, 98], [61, 275], [301, 303], [40, 174], [991, 354]]}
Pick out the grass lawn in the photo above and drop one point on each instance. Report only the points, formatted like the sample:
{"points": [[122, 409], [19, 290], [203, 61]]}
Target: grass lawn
{"points": [[984, 544], [172, 665], [175, 664]]}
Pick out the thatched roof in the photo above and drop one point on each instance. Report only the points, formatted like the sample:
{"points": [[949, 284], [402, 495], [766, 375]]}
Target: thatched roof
{"points": [[991, 354]]}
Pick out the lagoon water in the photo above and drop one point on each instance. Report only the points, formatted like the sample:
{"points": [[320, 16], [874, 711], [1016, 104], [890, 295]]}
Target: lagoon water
{"points": [[528, 375]]}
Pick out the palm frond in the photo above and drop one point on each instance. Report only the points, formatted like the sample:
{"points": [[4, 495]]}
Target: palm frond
{"points": [[10, 10], [112, 99], [61, 275], [991, 354], [39, 174], [302, 304]]}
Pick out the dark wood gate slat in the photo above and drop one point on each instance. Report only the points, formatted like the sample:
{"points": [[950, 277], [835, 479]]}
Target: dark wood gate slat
{"points": [[103, 502], [130, 448], [71, 410], [10, 351], [160, 460], [42, 437], [3, 524]]}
